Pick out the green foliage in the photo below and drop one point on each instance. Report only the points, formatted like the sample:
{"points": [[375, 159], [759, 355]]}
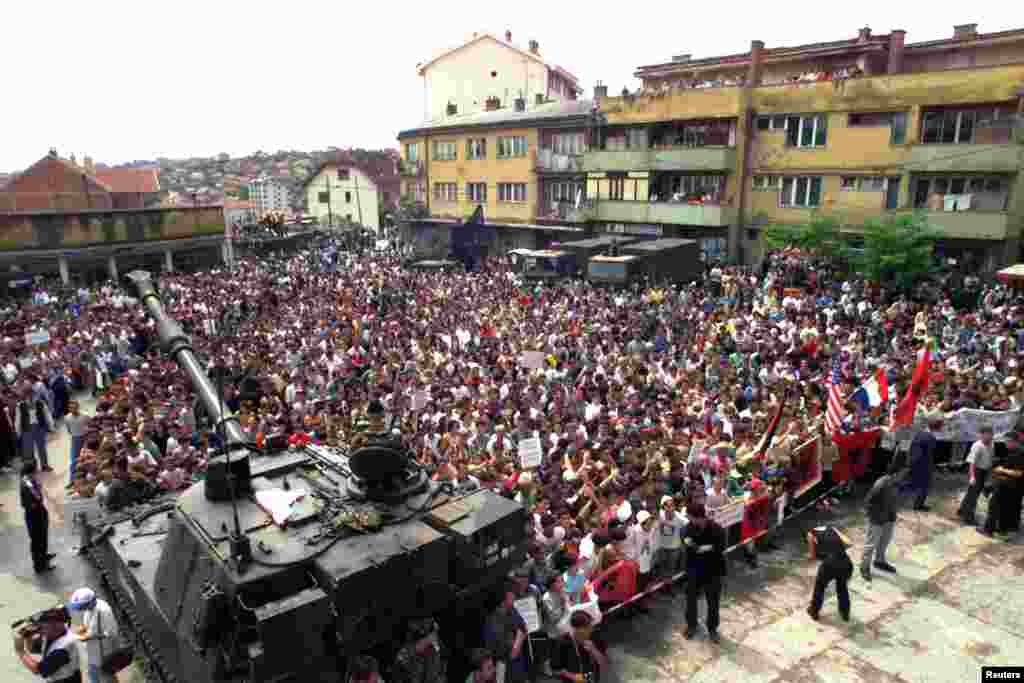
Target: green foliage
{"points": [[820, 235], [243, 193], [410, 208], [897, 249]]}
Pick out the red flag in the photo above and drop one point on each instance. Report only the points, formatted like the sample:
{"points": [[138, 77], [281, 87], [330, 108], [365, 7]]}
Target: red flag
{"points": [[904, 412]]}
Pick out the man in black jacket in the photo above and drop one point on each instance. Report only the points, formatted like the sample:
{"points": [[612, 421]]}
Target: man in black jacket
{"points": [[705, 565], [829, 545], [37, 519], [922, 461]]}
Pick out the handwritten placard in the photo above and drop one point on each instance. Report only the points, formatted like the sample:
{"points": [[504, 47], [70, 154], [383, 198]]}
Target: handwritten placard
{"points": [[35, 337], [728, 515], [527, 608], [533, 360], [530, 453]]}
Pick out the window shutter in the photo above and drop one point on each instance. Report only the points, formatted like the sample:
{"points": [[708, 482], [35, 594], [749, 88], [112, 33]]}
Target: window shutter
{"points": [[792, 131], [815, 195], [820, 133]]}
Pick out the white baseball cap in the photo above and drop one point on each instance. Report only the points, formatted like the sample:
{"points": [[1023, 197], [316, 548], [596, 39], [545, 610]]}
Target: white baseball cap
{"points": [[82, 599]]}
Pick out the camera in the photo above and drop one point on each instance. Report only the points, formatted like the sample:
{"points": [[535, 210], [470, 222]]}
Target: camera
{"points": [[29, 626]]}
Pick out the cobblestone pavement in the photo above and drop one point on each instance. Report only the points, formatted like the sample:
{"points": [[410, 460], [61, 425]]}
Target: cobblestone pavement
{"points": [[954, 606]]}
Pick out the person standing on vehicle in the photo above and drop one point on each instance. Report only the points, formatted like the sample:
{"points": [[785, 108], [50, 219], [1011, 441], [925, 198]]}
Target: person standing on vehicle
{"points": [[979, 460], [98, 631], [880, 505], [829, 545]]}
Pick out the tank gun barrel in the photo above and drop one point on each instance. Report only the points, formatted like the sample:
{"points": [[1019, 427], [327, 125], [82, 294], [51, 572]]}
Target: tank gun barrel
{"points": [[177, 345]]}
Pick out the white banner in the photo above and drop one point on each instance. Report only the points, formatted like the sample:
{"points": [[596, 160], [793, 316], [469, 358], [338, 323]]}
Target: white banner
{"points": [[530, 453], [727, 515], [960, 425]]}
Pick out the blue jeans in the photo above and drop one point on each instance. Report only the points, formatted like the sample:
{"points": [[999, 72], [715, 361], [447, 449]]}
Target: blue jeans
{"points": [[35, 437], [94, 675], [76, 448]]}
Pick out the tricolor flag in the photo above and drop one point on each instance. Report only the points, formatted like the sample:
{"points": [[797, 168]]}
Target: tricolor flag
{"points": [[874, 393]]}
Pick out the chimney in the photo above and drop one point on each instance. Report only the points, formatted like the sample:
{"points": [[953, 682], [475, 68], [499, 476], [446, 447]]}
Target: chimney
{"points": [[600, 90], [508, 36], [864, 34], [754, 71], [492, 104], [896, 40], [965, 32], [520, 104], [535, 47], [540, 98], [681, 59], [53, 153], [88, 165], [452, 109]]}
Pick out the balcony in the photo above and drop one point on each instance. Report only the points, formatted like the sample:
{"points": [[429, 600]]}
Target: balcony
{"points": [[665, 159], [567, 211], [672, 213], [411, 169], [1004, 158], [546, 161], [972, 225]]}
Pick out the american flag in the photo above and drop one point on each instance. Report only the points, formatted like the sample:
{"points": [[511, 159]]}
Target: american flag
{"points": [[834, 415]]}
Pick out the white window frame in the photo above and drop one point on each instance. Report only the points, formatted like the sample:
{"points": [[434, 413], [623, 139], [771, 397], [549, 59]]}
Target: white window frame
{"points": [[511, 192], [511, 146], [476, 192], [412, 152], [445, 192], [791, 202], [815, 118], [766, 182], [445, 150], [476, 148], [571, 144], [872, 183]]}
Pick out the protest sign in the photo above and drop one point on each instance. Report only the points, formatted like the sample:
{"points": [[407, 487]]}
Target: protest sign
{"points": [[34, 337], [961, 425], [419, 400], [527, 608], [530, 453], [534, 360], [728, 515]]}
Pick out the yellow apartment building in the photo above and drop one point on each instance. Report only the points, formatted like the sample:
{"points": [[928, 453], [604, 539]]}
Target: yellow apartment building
{"points": [[520, 164], [716, 148]]}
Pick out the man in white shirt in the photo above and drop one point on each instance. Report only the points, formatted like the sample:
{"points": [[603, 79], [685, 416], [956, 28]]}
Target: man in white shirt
{"points": [[979, 460], [98, 630], [670, 541]]}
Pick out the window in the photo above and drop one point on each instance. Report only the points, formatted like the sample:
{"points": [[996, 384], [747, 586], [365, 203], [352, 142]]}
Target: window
{"points": [[952, 126], [775, 122], [476, 148], [562, 191], [511, 146], [511, 192], [567, 143], [899, 128], [412, 152], [869, 118], [848, 183], [444, 151], [766, 182], [617, 188], [806, 131], [445, 192], [801, 191], [348, 197], [323, 197], [342, 174], [872, 184], [476, 192]]}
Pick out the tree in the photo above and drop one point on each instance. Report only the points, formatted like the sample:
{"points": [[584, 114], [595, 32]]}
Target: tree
{"points": [[897, 250], [243, 193], [819, 235]]}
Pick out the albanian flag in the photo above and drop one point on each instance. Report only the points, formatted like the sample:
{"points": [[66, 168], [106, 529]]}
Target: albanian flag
{"points": [[904, 412]]}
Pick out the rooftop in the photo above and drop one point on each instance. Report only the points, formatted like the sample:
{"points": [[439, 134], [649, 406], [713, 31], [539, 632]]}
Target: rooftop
{"points": [[505, 116], [479, 37]]}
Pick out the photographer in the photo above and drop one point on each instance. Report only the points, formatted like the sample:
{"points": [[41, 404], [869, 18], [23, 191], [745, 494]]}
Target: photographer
{"points": [[98, 631], [59, 661], [577, 658]]}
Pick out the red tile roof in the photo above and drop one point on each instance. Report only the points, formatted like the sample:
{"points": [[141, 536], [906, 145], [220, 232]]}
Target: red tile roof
{"points": [[129, 179]]}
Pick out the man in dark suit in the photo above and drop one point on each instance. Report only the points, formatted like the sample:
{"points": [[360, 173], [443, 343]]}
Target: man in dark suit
{"points": [[37, 518], [922, 462], [705, 542]]}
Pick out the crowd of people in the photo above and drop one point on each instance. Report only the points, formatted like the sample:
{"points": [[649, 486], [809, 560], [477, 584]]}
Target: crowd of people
{"points": [[650, 405]]}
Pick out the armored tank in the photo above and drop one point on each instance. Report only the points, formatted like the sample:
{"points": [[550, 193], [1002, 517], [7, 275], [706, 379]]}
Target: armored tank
{"points": [[284, 564]]}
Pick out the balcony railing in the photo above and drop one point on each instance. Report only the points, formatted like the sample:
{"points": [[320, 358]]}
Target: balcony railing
{"points": [[546, 160], [672, 213], [661, 159], [567, 211], [971, 224]]}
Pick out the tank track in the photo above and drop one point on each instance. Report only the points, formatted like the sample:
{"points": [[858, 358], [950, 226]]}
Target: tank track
{"points": [[154, 667]]}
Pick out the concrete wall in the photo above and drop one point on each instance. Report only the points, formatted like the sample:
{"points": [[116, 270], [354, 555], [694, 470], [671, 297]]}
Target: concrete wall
{"points": [[464, 78], [679, 104], [348, 197], [69, 230]]}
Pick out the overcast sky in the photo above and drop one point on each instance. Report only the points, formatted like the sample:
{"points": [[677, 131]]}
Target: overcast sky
{"points": [[138, 80]]}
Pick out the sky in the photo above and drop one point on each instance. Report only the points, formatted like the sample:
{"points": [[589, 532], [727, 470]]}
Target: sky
{"points": [[124, 81]]}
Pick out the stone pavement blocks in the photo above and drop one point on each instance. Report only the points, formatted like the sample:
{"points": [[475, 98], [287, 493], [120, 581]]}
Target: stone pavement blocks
{"points": [[737, 663], [794, 638], [740, 615], [928, 642], [836, 666], [782, 592]]}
